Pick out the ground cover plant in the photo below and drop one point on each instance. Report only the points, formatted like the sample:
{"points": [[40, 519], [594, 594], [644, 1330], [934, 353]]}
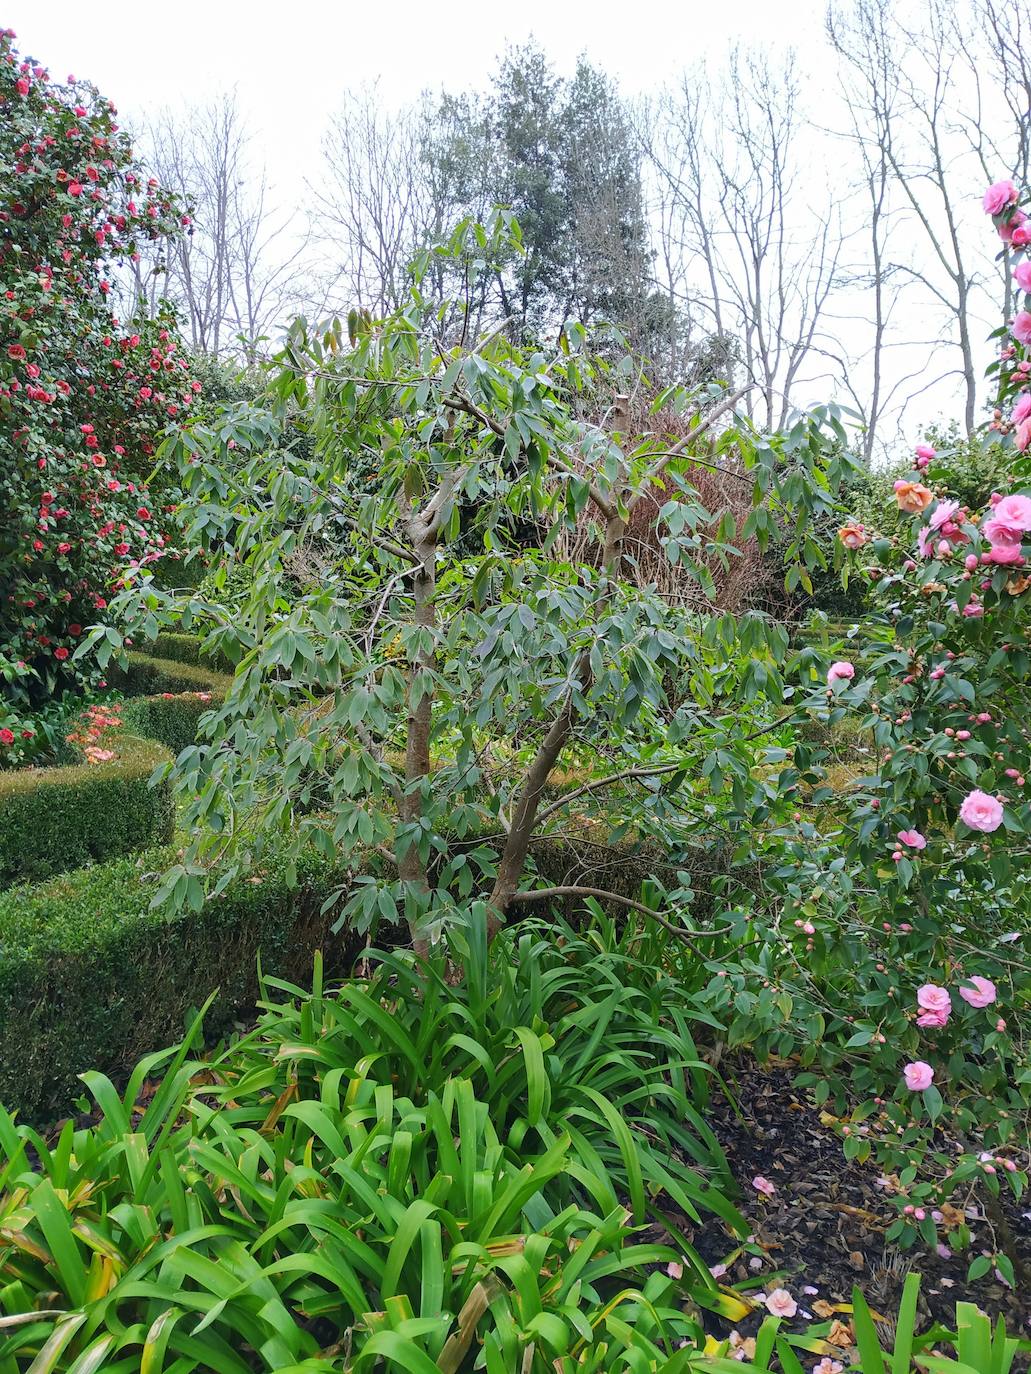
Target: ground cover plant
{"points": [[408, 1172]]}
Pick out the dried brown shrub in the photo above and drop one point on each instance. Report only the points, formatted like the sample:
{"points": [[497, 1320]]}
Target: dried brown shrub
{"points": [[746, 580]]}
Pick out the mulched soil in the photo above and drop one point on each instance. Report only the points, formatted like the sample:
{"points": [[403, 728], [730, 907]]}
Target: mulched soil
{"points": [[824, 1226]]}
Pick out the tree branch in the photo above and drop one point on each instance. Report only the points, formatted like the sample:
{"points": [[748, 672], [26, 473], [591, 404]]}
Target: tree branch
{"points": [[545, 894]]}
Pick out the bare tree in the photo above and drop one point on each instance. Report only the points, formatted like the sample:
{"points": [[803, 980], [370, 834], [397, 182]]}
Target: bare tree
{"points": [[374, 206], [762, 252], [920, 106], [232, 274]]}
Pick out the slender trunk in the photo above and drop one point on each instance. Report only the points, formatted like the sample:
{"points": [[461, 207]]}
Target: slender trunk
{"points": [[524, 815], [412, 867]]}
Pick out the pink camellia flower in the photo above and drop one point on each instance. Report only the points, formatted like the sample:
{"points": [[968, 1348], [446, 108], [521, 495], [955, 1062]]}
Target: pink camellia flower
{"points": [[841, 671], [918, 1076], [933, 1020], [1017, 219], [1007, 554], [926, 451], [1021, 328], [981, 811], [1010, 519], [828, 1366], [973, 610], [1022, 437], [933, 998], [1022, 275], [763, 1185], [780, 1303], [913, 839], [1022, 409], [998, 196], [944, 511], [978, 991]]}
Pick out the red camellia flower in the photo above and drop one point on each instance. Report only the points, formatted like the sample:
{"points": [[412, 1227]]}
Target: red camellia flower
{"points": [[6, 736], [77, 168]]}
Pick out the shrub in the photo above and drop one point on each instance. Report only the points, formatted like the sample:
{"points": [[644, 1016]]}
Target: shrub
{"points": [[59, 818], [186, 648], [82, 397], [143, 675], [91, 977], [171, 719], [52, 819]]}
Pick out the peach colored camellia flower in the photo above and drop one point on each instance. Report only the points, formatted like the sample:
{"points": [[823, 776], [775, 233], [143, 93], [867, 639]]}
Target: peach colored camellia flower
{"points": [[912, 839], [918, 1076], [763, 1185], [981, 811], [780, 1303], [842, 671], [853, 536], [978, 991], [912, 496]]}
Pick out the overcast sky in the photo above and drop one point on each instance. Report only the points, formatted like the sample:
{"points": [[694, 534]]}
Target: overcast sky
{"points": [[290, 64]]}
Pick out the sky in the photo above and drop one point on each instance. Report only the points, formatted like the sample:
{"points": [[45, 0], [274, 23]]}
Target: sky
{"points": [[290, 64]]}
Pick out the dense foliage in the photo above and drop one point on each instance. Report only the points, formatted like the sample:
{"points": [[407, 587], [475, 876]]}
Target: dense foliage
{"points": [[408, 1172], [82, 395]]}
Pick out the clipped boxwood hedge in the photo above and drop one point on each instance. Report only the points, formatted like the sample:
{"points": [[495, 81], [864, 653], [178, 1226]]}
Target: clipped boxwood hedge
{"points": [[145, 675], [184, 648], [90, 977], [53, 819], [60, 818], [178, 695]]}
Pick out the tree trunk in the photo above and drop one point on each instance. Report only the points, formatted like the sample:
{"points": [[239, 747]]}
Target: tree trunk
{"points": [[412, 868]]}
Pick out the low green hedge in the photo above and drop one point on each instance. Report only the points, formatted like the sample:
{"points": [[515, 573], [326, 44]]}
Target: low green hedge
{"points": [[52, 819], [145, 675], [90, 977], [184, 648], [178, 694], [56, 819]]}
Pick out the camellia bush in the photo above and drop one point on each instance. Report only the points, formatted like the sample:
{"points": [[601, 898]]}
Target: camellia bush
{"points": [[82, 396], [893, 924]]}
